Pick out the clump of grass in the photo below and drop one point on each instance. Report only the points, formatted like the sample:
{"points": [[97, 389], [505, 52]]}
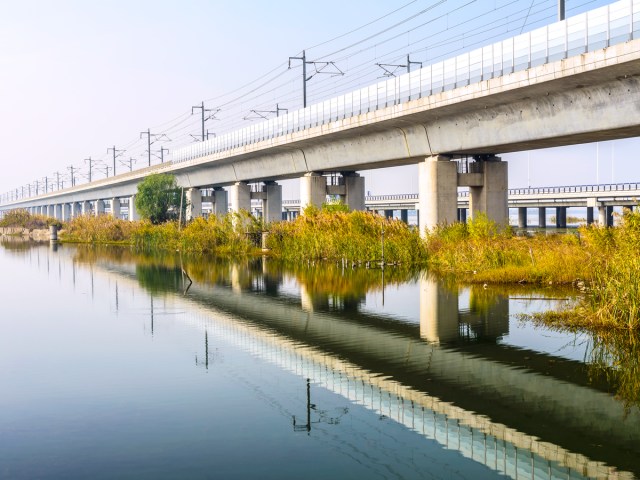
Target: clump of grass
{"points": [[231, 234], [614, 294], [480, 252], [98, 229], [22, 219], [351, 236]]}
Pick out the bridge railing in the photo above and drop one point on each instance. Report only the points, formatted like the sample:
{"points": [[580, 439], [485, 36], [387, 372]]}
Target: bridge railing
{"points": [[589, 31]]}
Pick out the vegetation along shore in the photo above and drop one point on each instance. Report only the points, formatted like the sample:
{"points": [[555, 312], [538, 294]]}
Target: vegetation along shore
{"points": [[603, 264]]}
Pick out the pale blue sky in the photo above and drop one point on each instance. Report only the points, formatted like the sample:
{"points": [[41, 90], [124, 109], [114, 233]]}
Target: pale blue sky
{"points": [[78, 77]]}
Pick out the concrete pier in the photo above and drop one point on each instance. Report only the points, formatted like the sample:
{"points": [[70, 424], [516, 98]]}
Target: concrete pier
{"points": [[404, 216], [272, 202], [133, 214], [99, 208], [194, 204], [240, 197], [542, 217], [491, 198], [437, 192], [65, 212], [219, 201], [313, 190], [602, 216], [561, 217], [354, 191], [589, 215], [114, 206], [522, 217]]}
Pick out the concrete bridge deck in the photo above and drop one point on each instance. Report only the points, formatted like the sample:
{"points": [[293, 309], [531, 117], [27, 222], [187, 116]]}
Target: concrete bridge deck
{"points": [[570, 82]]}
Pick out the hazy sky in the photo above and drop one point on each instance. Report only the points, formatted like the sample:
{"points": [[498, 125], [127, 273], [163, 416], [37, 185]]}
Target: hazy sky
{"points": [[78, 77]]}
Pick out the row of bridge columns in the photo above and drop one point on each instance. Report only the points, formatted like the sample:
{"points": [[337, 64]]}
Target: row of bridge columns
{"points": [[68, 211], [605, 216], [438, 179], [314, 188]]}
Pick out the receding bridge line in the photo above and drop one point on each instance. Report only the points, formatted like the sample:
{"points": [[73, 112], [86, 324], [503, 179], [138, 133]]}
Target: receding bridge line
{"points": [[570, 82]]}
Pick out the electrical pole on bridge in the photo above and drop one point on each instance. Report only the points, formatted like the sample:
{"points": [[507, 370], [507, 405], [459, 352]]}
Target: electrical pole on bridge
{"points": [[203, 119], [116, 153], [561, 10], [320, 69], [90, 161]]}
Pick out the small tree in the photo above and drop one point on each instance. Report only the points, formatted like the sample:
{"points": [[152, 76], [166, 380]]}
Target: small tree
{"points": [[158, 198]]}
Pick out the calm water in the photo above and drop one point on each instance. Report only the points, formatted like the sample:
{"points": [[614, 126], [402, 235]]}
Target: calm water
{"points": [[121, 366]]}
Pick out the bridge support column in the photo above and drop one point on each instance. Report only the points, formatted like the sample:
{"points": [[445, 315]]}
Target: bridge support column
{"points": [[75, 209], [99, 207], [354, 191], [388, 214], [609, 211], [133, 213], [492, 197], [240, 197], [589, 215], [114, 205], [220, 201], [522, 217], [561, 217], [86, 207], [272, 203], [542, 217], [437, 192], [65, 212], [602, 216], [438, 311], [313, 190], [404, 216], [57, 211], [194, 204]]}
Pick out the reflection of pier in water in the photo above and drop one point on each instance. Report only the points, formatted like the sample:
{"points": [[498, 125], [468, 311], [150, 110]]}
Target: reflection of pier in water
{"points": [[431, 388]]}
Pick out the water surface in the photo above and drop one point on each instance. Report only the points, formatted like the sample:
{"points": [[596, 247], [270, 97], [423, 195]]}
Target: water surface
{"points": [[134, 366]]}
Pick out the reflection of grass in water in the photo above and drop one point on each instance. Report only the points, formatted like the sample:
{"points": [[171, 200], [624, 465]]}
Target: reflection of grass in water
{"points": [[331, 279], [321, 277], [157, 278], [615, 354]]}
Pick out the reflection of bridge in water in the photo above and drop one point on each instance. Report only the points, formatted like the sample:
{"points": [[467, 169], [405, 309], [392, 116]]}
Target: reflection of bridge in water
{"points": [[466, 400]]}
